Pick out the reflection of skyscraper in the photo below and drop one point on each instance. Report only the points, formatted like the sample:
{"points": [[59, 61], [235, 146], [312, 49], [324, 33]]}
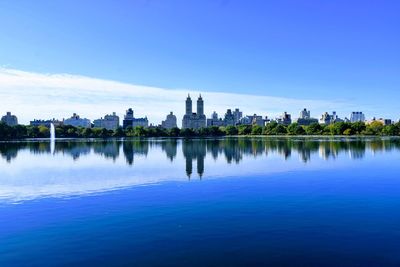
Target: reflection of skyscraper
{"points": [[194, 149]]}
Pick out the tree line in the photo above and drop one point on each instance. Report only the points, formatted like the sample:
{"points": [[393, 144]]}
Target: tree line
{"points": [[375, 128]]}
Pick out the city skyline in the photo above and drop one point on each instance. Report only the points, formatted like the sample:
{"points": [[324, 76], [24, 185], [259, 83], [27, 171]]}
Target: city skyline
{"points": [[340, 55], [197, 120], [61, 95]]}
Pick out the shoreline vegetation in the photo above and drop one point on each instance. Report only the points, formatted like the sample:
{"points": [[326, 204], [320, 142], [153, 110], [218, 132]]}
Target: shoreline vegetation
{"points": [[272, 129]]}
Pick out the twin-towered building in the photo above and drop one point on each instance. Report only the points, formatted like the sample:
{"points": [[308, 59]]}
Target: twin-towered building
{"points": [[194, 120]]}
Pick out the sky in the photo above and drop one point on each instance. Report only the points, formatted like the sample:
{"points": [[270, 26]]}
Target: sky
{"points": [[264, 57]]}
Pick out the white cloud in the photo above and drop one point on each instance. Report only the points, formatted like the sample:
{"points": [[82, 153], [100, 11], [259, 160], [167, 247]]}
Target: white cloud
{"points": [[42, 96]]}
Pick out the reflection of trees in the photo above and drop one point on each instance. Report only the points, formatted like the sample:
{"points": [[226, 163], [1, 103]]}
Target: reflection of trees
{"points": [[229, 149], [9, 151]]}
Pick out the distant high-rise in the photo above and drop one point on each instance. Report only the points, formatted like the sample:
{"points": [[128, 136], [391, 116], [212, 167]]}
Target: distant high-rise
{"points": [[305, 118], [329, 118], [194, 120], [188, 106], [285, 119], [305, 114], [237, 115], [357, 116], [229, 119], [170, 121], [10, 120], [215, 121], [109, 122], [131, 121], [77, 121], [200, 106]]}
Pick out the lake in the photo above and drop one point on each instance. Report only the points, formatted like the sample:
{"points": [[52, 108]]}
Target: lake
{"points": [[255, 201]]}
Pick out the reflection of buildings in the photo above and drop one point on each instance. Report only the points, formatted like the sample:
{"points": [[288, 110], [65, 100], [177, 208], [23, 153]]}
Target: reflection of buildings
{"points": [[170, 148], [109, 149], [194, 150], [9, 151], [130, 148], [229, 150]]}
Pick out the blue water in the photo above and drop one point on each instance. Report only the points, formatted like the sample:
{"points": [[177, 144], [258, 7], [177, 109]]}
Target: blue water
{"points": [[226, 202]]}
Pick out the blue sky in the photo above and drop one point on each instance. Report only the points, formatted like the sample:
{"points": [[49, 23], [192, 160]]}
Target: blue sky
{"points": [[338, 51]]}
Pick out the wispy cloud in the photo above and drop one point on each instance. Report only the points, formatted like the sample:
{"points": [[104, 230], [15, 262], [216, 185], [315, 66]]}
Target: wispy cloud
{"points": [[37, 95]]}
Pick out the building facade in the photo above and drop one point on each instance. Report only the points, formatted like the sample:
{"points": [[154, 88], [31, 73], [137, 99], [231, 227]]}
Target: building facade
{"points": [[109, 122], [131, 121], [170, 121], [253, 120], [46, 123], [9, 119], [237, 115], [229, 119], [305, 114], [327, 118], [215, 121], [305, 118], [285, 119], [77, 121], [357, 116], [194, 120]]}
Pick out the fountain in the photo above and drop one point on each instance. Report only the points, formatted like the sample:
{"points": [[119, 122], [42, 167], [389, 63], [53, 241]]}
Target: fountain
{"points": [[52, 138]]}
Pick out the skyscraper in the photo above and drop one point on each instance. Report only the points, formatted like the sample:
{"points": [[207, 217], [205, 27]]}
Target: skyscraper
{"points": [[194, 120]]}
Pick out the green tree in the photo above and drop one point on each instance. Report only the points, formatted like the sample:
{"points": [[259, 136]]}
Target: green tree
{"points": [[295, 129], [231, 130], [44, 132], [390, 130], [119, 132], [358, 127], [269, 129], [314, 129], [187, 132], [280, 129], [374, 128], [244, 129], [174, 132], [256, 130], [139, 131]]}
